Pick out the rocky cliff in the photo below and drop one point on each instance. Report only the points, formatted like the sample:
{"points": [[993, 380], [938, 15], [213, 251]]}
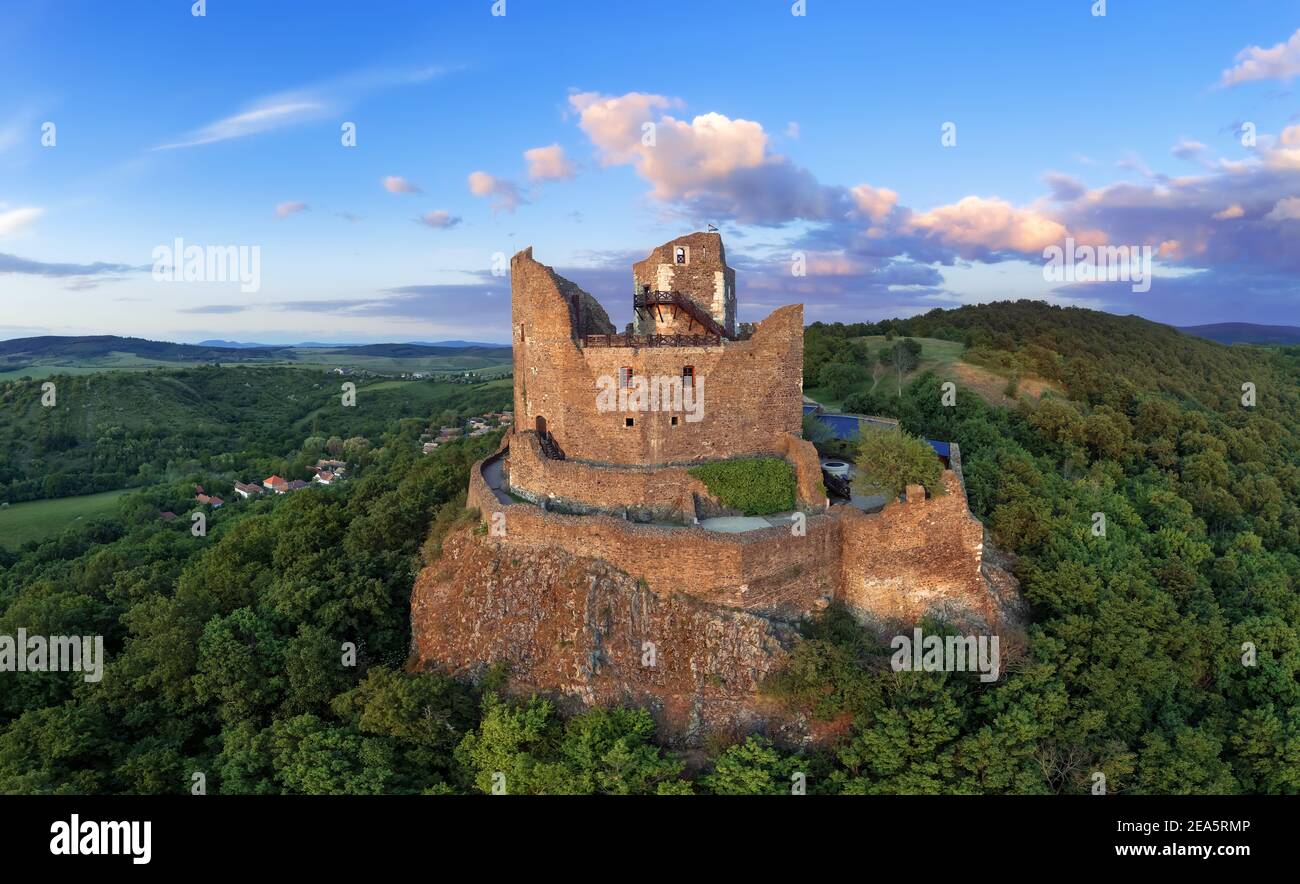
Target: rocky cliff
{"points": [[586, 633], [580, 630]]}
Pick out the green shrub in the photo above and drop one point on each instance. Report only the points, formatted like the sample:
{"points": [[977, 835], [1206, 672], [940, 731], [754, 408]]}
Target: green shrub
{"points": [[890, 460], [755, 486]]}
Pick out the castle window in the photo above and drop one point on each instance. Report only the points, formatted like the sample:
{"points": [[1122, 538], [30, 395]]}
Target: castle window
{"points": [[625, 377], [627, 421], [680, 255], [674, 420], [688, 376]]}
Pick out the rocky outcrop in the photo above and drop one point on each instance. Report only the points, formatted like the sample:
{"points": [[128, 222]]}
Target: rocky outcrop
{"points": [[582, 631]]}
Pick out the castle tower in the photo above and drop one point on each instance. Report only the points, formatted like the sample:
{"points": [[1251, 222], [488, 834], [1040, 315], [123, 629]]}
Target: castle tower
{"points": [[686, 288]]}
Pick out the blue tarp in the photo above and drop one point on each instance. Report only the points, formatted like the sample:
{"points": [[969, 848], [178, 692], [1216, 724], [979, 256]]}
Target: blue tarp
{"points": [[847, 426]]}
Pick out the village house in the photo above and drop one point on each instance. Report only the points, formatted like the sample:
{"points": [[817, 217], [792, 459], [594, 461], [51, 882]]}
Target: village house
{"points": [[276, 484], [247, 490], [324, 477]]}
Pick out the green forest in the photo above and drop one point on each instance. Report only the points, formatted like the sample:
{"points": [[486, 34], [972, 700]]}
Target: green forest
{"points": [[1163, 653]]}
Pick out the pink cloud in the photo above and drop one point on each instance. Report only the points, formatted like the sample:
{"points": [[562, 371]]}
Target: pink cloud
{"points": [[398, 184], [548, 163]]}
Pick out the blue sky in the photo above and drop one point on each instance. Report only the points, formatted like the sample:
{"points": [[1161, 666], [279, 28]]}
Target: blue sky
{"points": [[478, 135]]}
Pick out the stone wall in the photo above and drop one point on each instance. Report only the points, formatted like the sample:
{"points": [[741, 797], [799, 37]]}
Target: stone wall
{"points": [[571, 601], [751, 389], [917, 559], [647, 494], [770, 570], [913, 559], [667, 494]]}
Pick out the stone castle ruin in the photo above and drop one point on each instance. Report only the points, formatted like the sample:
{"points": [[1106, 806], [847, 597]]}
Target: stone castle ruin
{"points": [[597, 575]]}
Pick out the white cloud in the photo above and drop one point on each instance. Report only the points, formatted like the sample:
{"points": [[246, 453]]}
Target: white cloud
{"points": [[268, 114], [14, 220], [439, 219], [1233, 211], [398, 184], [315, 102], [548, 163], [284, 210], [503, 192], [982, 223], [719, 166], [1287, 209], [1280, 62]]}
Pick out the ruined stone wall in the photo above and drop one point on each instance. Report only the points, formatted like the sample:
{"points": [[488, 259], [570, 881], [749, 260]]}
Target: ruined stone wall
{"points": [[916, 559], [571, 601], [752, 389], [912, 559], [769, 570], [649, 494], [802, 455], [660, 494]]}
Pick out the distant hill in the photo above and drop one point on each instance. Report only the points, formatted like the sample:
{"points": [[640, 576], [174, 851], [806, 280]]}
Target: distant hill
{"points": [[1245, 333], [52, 354], [320, 345], [1092, 356], [92, 346], [234, 345]]}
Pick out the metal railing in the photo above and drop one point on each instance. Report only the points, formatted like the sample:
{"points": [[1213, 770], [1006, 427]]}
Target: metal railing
{"points": [[644, 300]]}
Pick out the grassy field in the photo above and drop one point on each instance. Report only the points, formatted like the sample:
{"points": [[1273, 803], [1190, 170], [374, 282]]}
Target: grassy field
{"points": [[308, 358], [944, 359], [38, 519]]}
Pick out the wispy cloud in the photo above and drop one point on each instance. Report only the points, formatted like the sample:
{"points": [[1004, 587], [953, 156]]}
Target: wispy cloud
{"points": [[301, 105], [1278, 62], [284, 210], [439, 220], [503, 192], [215, 309], [14, 220], [79, 276], [267, 114]]}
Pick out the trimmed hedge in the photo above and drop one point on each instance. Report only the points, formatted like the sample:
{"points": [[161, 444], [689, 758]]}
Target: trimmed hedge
{"points": [[755, 486]]}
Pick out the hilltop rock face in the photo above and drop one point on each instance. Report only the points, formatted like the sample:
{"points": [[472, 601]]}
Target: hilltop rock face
{"points": [[588, 634]]}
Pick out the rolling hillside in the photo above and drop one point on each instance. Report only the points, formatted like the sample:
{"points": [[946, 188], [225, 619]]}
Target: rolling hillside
{"points": [[41, 357], [1245, 333], [112, 430]]}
